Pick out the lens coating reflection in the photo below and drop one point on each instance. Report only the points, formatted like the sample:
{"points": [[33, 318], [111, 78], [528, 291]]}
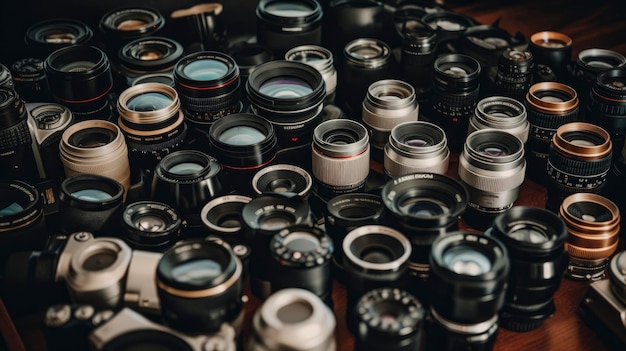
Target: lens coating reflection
{"points": [[7, 209], [196, 272], [467, 262], [241, 135], [93, 195], [289, 9], [149, 102], [285, 87], [303, 242], [186, 168], [205, 70]]}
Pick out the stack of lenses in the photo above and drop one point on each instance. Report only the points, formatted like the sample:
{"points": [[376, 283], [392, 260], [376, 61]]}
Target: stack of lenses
{"points": [[16, 150], [45, 37], [535, 240], [502, 113], [493, 167], [283, 178], [30, 81], [149, 58], [552, 49], [514, 74], [593, 223], [579, 161], [150, 225], [607, 105], [123, 25], [468, 281], [549, 105], [320, 58]]}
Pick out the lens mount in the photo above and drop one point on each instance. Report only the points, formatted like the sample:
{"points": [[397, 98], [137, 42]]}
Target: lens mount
{"points": [[222, 216], [282, 178], [377, 250]]}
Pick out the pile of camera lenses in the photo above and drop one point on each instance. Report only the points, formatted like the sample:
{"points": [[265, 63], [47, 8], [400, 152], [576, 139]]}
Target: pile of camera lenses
{"points": [[149, 181]]}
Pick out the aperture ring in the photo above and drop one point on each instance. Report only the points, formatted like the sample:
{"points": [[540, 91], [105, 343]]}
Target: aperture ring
{"points": [[15, 136], [588, 167]]}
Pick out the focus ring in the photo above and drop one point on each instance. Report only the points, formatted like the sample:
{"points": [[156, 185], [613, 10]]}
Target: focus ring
{"points": [[550, 121]]}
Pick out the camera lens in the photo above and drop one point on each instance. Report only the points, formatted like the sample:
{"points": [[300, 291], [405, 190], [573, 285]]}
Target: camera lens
{"points": [[454, 98], [47, 36], [552, 49], [535, 241], [30, 81], [285, 24], [320, 58], [6, 78], [90, 202], [16, 150], [503, 113], [283, 178], [514, 74], [493, 167], [150, 225], [450, 25], [418, 52], [486, 43], [468, 281], [389, 319], [593, 223], [243, 143], [579, 161], [122, 25], [416, 147], [200, 285], [607, 105], [293, 319], [549, 105], [149, 55], [222, 217], [387, 103], [95, 147], [341, 157], [248, 56], [80, 78]]}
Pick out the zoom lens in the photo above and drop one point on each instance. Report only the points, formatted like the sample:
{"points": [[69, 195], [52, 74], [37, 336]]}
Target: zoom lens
{"points": [[90, 202], [123, 25], [416, 147], [469, 274], [607, 105], [493, 167], [243, 143], [341, 157], [535, 241], [283, 178], [502, 113], [47, 36], [593, 223], [149, 55], [387, 103], [222, 218], [320, 58], [95, 147], [293, 319], [389, 319], [200, 285], [418, 53], [16, 151], [457, 83], [30, 81], [552, 49], [80, 78], [549, 105], [150, 225], [514, 74], [285, 24], [579, 161]]}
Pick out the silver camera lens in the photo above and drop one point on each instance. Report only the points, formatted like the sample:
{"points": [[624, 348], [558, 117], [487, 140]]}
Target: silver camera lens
{"points": [[493, 167], [322, 60], [416, 147], [503, 113], [293, 319], [388, 103]]}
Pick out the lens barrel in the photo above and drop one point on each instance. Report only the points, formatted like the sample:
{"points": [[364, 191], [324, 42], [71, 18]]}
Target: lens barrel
{"points": [[607, 105], [222, 218], [514, 74], [30, 80], [552, 49], [503, 113], [145, 56], [16, 150], [418, 53], [47, 36], [320, 58], [122, 25], [283, 178], [150, 225]]}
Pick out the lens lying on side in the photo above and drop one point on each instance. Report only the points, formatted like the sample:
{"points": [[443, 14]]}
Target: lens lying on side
{"points": [[283, 178], [535, 240], [16, 151], [503, 113], [150, 225], [593, 223], [320, 58], [50, 35]]}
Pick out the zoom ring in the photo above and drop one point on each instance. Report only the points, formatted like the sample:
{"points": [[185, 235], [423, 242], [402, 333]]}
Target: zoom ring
{"points": [[208, 109], [550, 121], [455, 106], [159, 149], [579, 167], [15, 136], [617, 110]]}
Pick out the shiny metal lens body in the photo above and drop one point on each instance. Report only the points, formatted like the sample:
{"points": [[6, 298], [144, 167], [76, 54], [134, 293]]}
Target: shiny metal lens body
{"points": [[320, 58], [503, 113], [283, 178], [22, 221], [593, 223], [222, 217], [150, 225], [416, 147]]}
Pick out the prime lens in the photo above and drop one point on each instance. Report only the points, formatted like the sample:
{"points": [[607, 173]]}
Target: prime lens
{"points": [[122, 25], [149, 55], [502, 113], [16, 150], [47, 36], [607, 105], [283, 178], [222, 217], [320, 58], [30, 81], [150, 225], [552, 49], [513, 75], [418, 53]]}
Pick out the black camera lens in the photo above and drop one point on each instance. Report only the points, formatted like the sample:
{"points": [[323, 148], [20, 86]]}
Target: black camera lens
{"points": [[486, 43], [579, 160], [468, 281], [248, 56], [389, 319], [6, 78], [503, 113], [30, 81], [535, 240], [200, 285], [243, 143], [80, 78], [16, 150], [285, 24], [47, 36], [22, 222], [149, 55], [607, 105], [92, 203], [283, 178], [552, 49], [222, 218], [450, 25], [514, 74], [320, 58], [454, 97], [301, 257], [418, 53], [150, 225], [122, 25]]}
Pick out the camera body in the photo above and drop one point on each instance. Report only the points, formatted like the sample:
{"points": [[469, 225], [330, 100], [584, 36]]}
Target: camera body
{"points": [[607, 312]]}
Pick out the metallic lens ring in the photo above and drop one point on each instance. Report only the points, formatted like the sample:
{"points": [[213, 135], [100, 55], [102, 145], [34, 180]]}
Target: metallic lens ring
{"points": [[325, 132], [536, 99], [157, 114], [367, 53], [366, 230], [588, 224], [503, 113], [214, 205], [308, 180], [587, 58], [389, 102], [548, 39], [318, 57], [467, 329], [582, 151]]}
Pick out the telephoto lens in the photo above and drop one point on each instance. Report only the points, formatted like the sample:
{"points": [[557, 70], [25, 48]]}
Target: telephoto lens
{"points": [[150, 225], [186, 180], [301, 258], [95, 147], [262, 218], [122, 25], [153, 125], [535, 241], [341, 158], [593, 223], [91, 202], [552, 49], [468, 282], [579, 160], [418, 53], [388, 102], [285, 24], [320, 58], [242, 143], [200, 286], [454, 97], [47, 36], [607, 105], [283, 178], [80, 78], [16, 151], [30, 81], [293, 319], [416, 147], [502, 113], [493, 167], [514, 74], [389, 319], [365, 61], [549, 105], [222, 218]]}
